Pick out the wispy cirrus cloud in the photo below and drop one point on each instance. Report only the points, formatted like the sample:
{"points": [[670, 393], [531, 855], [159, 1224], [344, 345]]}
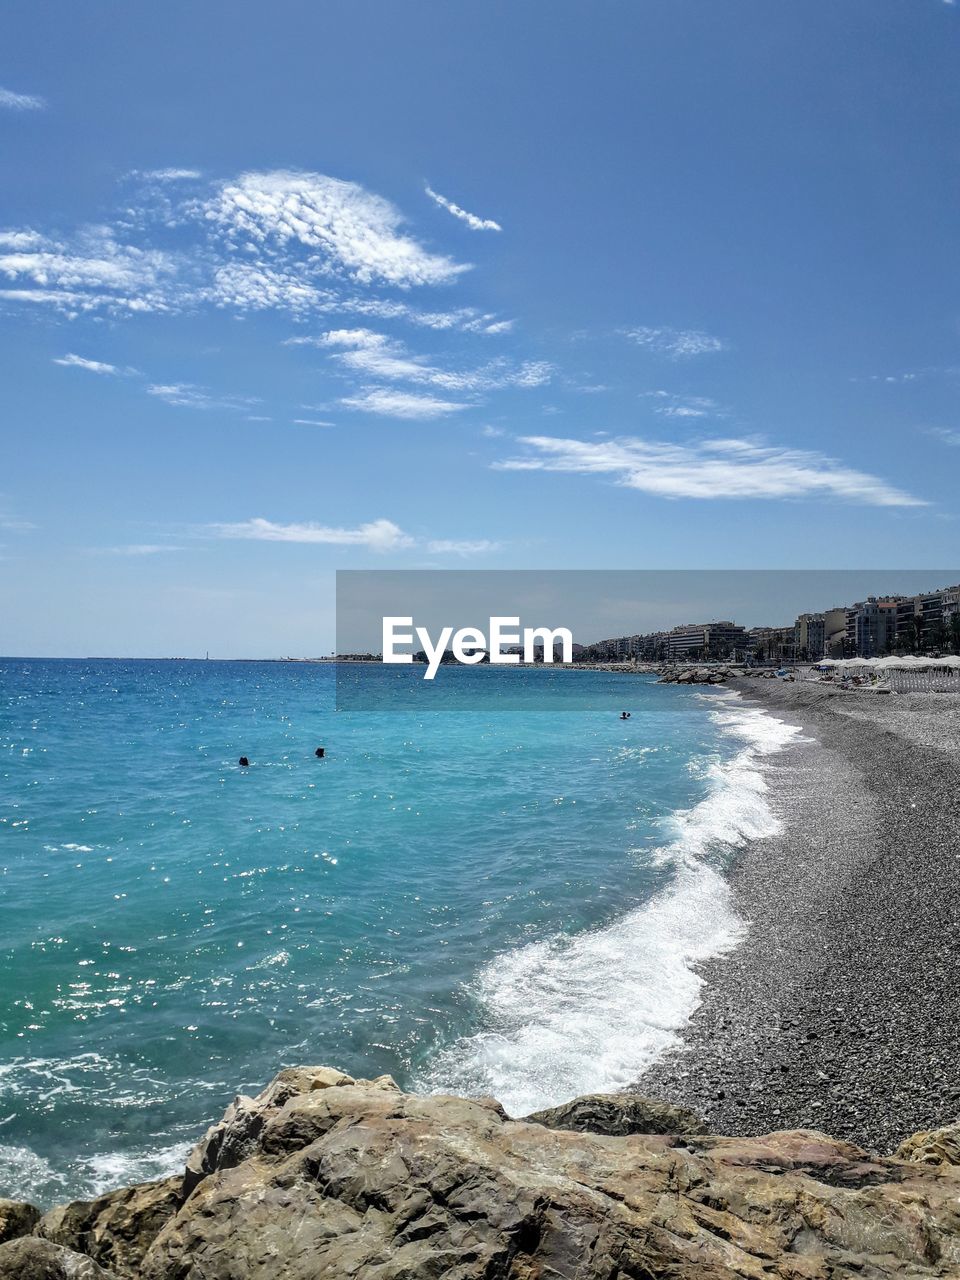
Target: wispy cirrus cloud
{"points": [[140, 549], [374, 355], [21, 101], [677, 344], [709, 469], [471, 219], [671, 405], [312, 422], [71, 361], [377, 535], [388, 402], [463, 547], [183, 395], [946, 435], [462, 319], [12, 525], [380, 535], [168, 175], [352, 231]]}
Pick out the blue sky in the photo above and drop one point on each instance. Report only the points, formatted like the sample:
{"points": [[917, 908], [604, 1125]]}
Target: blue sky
{"points": [[646, 284]]}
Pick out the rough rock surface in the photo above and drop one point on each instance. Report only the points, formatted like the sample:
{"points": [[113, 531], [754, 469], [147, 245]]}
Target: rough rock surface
{"points": [[326, 1177], [116, 1229], [695, 675], [618, 1115], [33, 1259], [16, 1219], [322, 1177]]}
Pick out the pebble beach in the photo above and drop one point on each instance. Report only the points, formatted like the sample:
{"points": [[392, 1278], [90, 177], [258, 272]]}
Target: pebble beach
{"points": [[840, 1010]]}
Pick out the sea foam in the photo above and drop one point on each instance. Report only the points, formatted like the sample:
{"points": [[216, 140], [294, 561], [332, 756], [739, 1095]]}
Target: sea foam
{"points": [[584, 1014]]}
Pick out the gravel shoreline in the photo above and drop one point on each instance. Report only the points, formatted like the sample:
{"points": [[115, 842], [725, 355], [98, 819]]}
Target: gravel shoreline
{"points": [[840, 1010]]}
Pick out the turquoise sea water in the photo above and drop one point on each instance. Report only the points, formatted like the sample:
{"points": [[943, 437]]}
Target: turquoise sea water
{"points": [[501, 902]]}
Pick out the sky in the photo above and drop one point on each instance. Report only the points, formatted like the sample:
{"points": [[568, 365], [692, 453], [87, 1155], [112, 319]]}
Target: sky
{"points": [[648, 284]]}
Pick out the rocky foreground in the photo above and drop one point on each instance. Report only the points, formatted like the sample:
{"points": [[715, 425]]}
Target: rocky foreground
{"points": [[322, 1176]]}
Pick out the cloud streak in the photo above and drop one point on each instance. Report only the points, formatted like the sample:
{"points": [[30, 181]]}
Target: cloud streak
{"points": [[380, 535], [676, 344], [471, 219], [710, 469], [183, 395], [71, 361], [669, 405], [20, 101], [464, 547], [388, 402], [377, 535], [92, 272], [946, 435], [373, 355]]}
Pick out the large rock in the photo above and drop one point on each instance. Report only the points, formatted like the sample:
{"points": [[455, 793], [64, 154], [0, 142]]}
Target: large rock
{"points": [[328, 1178], [116, 1229], [33, 1259], [938, 1146], [619, 1114], [234, 1138], [17, 1218]]}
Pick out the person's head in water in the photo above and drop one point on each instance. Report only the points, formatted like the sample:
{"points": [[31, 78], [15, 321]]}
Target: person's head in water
{"points": [[623, 715], [244, 762], [319, 753]]}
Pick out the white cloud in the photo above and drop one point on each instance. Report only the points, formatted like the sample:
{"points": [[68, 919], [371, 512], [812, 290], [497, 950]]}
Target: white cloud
{"points": [[708, 469], [947, 435], [20, 101], [25, 239], [670, 405], [374, 355], [354, 339], [471, 219], [91, 272], [312, 422], [377, 535], [390, 403], [185, 396], [461, 319], [678, 344], [282, 241], [353, 231], [142, 549], [169, 175], [532, 373], [260, 286], [453, 546], [71, 361]]}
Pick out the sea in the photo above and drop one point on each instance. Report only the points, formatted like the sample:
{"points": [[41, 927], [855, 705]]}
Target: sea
{"points": [[479, 900]]}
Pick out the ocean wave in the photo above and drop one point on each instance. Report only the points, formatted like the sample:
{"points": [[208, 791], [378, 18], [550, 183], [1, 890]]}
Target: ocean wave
{"points": [[113, 1169], [583, 1014], [28, 1176]]}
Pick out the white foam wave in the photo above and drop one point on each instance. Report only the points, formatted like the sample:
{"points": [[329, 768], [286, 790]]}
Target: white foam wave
{"points": [[587, 1014], [123, 1168], [26, 1176]]}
